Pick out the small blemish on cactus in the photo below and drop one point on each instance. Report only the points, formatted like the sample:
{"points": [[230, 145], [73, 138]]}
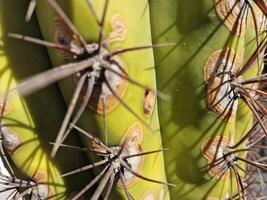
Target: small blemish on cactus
{"points": [[214, 149], [11, 140], [221, 61], [132, 145], [118, 29], [233, 14], [150, 195], [149, 102], [40, 176], [5, 107], [218, 72], [65, 37]]}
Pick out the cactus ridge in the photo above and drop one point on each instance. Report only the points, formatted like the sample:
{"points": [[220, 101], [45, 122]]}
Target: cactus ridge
{"points": [[231, 88], [229, 157], [244, 90], [89, 64]]}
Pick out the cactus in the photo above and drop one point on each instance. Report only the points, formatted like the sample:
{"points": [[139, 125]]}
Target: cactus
{"points": [[24, 122], [208, 61], [207, 68], [112, 72]]}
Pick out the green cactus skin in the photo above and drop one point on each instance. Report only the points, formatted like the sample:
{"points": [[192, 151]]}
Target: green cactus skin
{"points": [[187, 122], [25, 118], [139, 65], [243, 113]]}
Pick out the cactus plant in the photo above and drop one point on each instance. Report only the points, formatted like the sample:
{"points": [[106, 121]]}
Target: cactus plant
{"points": [[60, 28], [29, 124], [208, 61], [208, 67]]}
